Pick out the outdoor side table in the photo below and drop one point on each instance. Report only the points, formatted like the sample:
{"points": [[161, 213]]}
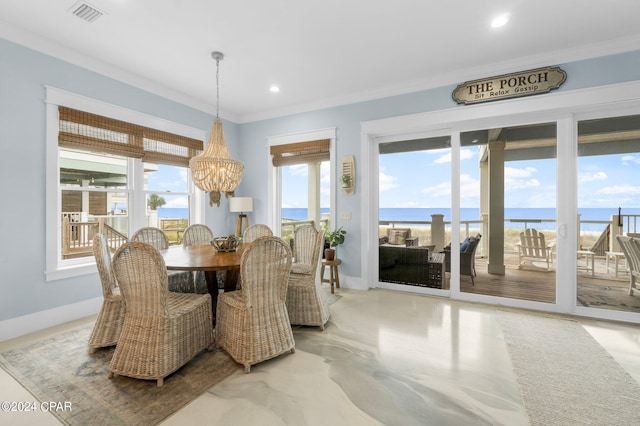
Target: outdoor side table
{"points": [[616, 255], [435, 276], [334, 276]]}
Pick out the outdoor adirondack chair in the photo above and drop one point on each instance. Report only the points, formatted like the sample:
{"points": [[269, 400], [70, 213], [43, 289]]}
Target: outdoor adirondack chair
{"points": [[532, 246], [631, 249]]}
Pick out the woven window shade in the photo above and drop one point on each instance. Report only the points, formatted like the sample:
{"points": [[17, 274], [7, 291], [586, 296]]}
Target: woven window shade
{"points": [[300, 153], [91, 132]]}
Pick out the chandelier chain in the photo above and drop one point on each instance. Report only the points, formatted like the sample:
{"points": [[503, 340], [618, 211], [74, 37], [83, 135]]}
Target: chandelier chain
{"points": [[217, 87]]}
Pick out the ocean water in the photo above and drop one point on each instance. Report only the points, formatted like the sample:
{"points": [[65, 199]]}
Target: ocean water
{"points": [[424, 214], [173, 213]]}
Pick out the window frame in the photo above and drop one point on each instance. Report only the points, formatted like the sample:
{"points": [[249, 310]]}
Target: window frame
{"points": [[55, 267], [274, 181]]}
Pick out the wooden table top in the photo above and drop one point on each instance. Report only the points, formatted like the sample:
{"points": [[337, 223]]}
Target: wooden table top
{"points": [[201, 258]]}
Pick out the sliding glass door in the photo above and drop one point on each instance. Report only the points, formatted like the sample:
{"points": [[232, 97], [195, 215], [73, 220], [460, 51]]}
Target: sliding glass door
{"points": [[414, 214], [608, 207], [508, 212]]}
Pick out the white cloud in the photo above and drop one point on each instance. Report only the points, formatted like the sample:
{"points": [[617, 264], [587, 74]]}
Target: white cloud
{"points": [[298, 170], [465, 154], [514, 173], [182, 202], [440, 190], [387, 182], [520, 178], [469, 188], [624, 189], [592, 177], [325, 176], [627, 159]]}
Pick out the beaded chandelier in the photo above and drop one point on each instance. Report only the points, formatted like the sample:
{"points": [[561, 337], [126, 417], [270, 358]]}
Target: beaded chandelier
{"points": [[214, 169]]}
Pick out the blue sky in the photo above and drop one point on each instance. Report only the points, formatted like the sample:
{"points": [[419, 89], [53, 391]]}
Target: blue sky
{"points": [[170, 178], [422, 179]]}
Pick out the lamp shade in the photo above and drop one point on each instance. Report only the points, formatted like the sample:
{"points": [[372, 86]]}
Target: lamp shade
{"points": [[241, 204]]}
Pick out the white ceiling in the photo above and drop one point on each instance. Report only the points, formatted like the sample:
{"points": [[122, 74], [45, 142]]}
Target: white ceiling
{"points": [[320, 53]]}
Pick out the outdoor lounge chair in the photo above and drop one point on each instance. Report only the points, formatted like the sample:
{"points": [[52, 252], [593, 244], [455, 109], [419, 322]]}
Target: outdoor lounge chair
{"points": [[467, 257], [533, 246], [631, 248]]}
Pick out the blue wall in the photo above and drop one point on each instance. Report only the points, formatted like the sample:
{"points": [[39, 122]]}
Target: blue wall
{"points": [[23, 75]]}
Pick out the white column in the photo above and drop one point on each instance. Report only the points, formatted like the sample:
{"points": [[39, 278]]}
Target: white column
{"points": [[496, 208], [313, 191], [437, 232]]}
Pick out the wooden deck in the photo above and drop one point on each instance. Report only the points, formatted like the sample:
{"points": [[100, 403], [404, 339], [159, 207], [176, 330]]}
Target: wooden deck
{"points": [[603, 290]]}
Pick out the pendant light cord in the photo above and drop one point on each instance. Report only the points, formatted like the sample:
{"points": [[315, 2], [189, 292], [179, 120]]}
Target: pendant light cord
{"points": [[217, 88]]}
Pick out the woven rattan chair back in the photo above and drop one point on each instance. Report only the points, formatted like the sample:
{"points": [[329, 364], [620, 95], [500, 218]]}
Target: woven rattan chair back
{"points": [[264, 270], [154, 236], [307, 241], [108, 326], [162, 330], [103, 262], [305, 302], [142, 276], [197, 235], [252, 324], [255, 231]]}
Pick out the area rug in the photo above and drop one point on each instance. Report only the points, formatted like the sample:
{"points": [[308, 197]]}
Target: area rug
{"points": [[565, 377], [60, 369], [613, 296]]}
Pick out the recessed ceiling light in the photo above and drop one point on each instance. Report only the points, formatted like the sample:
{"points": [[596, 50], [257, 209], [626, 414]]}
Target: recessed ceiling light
{"points": [[274, 88], [500, 21]]}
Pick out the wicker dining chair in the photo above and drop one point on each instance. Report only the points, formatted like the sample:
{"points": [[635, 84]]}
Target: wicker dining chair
{"points": [[255, 231], [197, 235], [179, 281], [252, 324], [162, 330], [305, 301], [108, 326]]}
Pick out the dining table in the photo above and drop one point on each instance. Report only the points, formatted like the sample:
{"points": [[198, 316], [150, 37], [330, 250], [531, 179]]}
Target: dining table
{"points": [[207, 259]]}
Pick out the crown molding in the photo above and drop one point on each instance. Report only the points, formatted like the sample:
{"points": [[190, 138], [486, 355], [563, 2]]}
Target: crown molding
{"points": [[29, 40], [42, 45], [557, 57]]}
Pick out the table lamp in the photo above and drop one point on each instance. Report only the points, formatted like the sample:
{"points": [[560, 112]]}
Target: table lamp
{"points": [[241, 205]]}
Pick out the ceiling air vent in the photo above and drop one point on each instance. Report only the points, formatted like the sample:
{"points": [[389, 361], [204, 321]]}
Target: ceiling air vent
{"points": [[85, 11]]}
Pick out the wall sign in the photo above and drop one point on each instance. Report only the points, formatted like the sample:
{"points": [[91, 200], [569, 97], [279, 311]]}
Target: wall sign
{"points": [[513, 85]]}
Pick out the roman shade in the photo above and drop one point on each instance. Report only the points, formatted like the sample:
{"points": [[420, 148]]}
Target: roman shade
{"points": [[300, 152], [95, 133]]}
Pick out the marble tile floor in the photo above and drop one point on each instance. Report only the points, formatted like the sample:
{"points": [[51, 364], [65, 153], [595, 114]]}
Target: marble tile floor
{"points": [[385, 358]]}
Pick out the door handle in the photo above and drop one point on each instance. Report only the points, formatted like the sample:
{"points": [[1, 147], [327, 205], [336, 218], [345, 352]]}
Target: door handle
{"points": [[562, 231]]}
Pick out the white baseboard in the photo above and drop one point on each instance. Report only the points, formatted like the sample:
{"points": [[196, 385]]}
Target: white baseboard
{"points": [[19, 326], [352, 283]]}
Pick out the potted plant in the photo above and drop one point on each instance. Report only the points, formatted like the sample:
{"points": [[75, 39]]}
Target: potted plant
{"points": [[335, 238], [346, 181]]}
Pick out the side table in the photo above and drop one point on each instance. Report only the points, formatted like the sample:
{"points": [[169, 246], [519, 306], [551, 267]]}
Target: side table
{"points": [[616, 255], [334, 276], [435, 277]]}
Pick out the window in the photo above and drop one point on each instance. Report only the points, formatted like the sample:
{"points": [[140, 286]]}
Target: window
{"points": [[301, 179], [115, 174]]}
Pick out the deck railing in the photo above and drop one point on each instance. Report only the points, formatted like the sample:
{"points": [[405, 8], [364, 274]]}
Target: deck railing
{"points": [[288, 226], [77, 237], [602, 242]]}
